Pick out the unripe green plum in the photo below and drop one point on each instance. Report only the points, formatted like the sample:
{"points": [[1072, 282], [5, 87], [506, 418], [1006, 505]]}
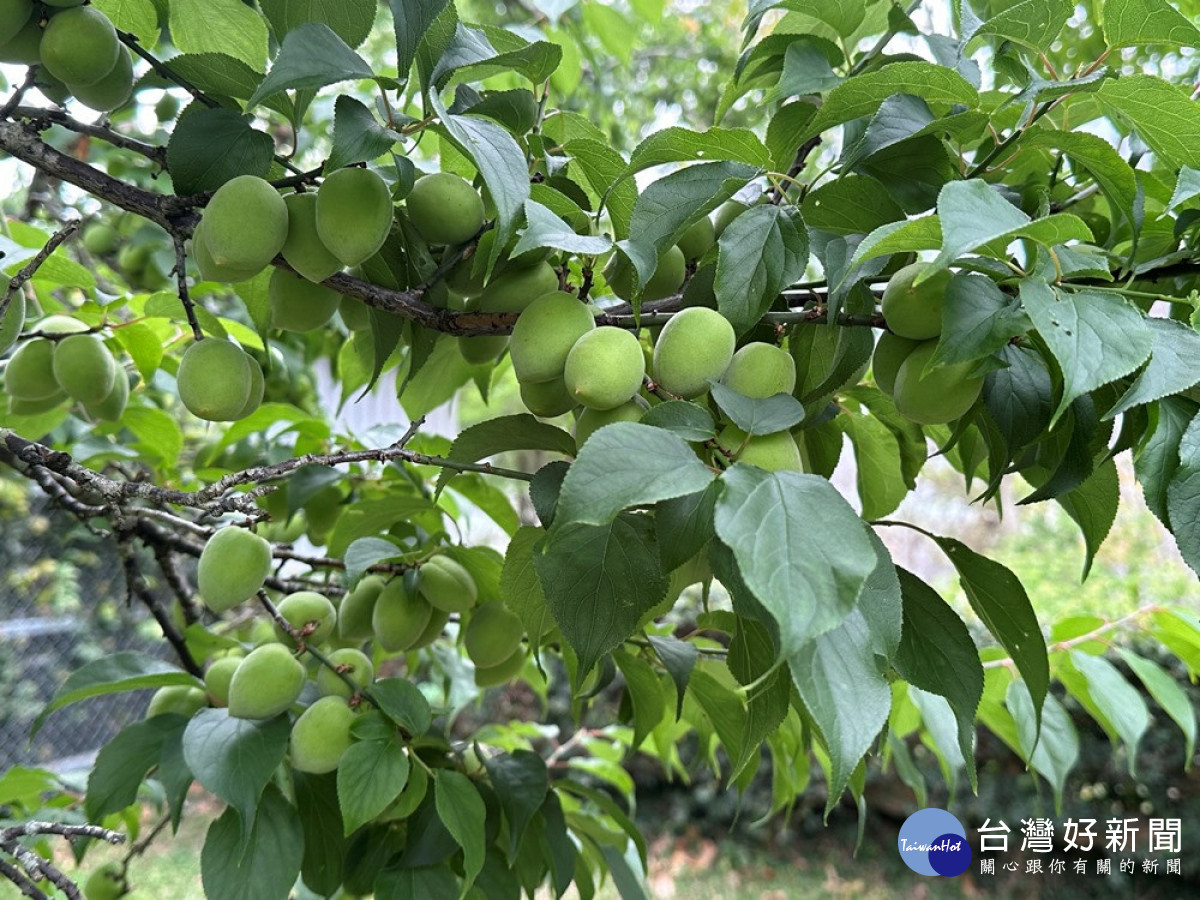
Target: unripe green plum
{"points": [[233, 566], [322, 511], [515, 289], [167, 108], [937, 397], [666, 280], [890, 352], [915, 312], [591, 420], [180, 699], [112, 407], [106, 883], [13, 322], [266, 683], [258, 386], [354, 214], [761, 370], [544, 334], [54, 89], [492, 635], [357, 608], [447, 585], [245, 224], [14, 15], [80, 46], [445, 209], [774, 452], [354, 664], [209, 268], [695, 345], [218, 677], [84, 368], [697, 239], [25, 47], [481, 348], [400, 616], [547, 399], [133, 259], [34, 407], [321, 735], [303, 608], [494, 676], [605, 368], [100, 239], [298, 304], [464, 279], [111, 91], [30, 372], [304, 250], [215, 380], [356, 315], [437, 623]]}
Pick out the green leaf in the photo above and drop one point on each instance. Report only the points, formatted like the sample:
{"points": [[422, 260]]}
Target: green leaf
{"points": [[1171, 370], [1169, 695], [426, 882], [370, 517], [628, 464], [366, 552], [668, 206], [999, 599], [545, 229], [722, 706], [210, 146], [601, 169], [113, 674], [261, 865], [412, 19], [977, 320], [217, 73], [1102, 161], [461, 810], [1128, 23], [853, 204], [311, 56], [122, 764], [219, 26], [1051, 745], [357, 137], [138, 17], [806, 70], [1117, 700], [645, 694], [504, 433], [690, 421], [684, 525], [599, 581], [1187, 187], [235, 758], [1163, 114], [1019, 396], [402, 702], [477, 53], [758, 415], [753, 661], [809, 586], [325, 847], [684, 145], [785, 132], [1093, 506], [843, 16], [879, 473], [1096, 337], [762, 251], [679, 659], [351, 20], [1031, 23], [521, 783], [158, 434], [370, 775], [519, 586]]}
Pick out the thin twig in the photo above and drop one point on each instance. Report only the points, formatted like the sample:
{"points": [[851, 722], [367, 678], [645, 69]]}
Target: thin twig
{"points": [[36, 114], [180, 272], [30, 268], [18, 94]]}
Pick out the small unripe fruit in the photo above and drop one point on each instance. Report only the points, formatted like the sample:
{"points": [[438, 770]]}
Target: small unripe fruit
{"points": [[544, 334], [354, 214], [111, 408], [80, 46], [258, 386], [179, 699], [915, 312], [106, 883], [14, 15], [167, 108], [30, 372], [357, 608], [481, 348], [322, 511], [100, 239], [84, 368], [773, 452], [218, 678], [592, 420], [666, 280], [25, 47], [515, 289], [233, 566], [111, 91], [494, 676], [356, 666], [938, 397], [694, 346], [266, 683], [547, 398], [34, 407], [891, 351], [12, 323], [697, 239], [761, 370], [321, 735], [605, 368], [437, 623], [298, 304], [492, 635], [399, 617], [444, 208], [447, 585], [215, 380], [209, 269], [51, 86], [304, 608], [245, 224], [303, 249]]}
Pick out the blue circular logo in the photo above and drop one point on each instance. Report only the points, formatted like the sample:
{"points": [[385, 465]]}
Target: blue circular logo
{"points": [[933, 842]]}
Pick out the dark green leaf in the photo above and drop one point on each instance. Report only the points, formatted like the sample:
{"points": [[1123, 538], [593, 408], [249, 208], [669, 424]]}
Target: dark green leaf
{"points": [[260, 865], [1157, 460], [519, 586], [690, 421], [351, 20], [210, 146], [325, 847], [311, 56], [758, 415], [684, 525], [357, 137], [1093, 506], [853, 204], [499, 435], [977, 320], [752, 659], [762, 251], [1020, 397], [402, 702], [645, 695], [217, 73], [366, 552], [370, 775], [545, 229], [461, 810], [412, 19], [521, 781], [668, 206], [425, 882], [122, 764], [679, 659]]}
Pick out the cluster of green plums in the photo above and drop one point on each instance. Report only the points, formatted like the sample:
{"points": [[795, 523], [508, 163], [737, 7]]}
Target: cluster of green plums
{"points": [[912, 308], [70, 363], [75, 48]]}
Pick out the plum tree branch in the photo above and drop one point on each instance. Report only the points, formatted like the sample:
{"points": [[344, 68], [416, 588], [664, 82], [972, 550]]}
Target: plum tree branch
{"points": [[36, 869], [19, 280], [43, 118]]}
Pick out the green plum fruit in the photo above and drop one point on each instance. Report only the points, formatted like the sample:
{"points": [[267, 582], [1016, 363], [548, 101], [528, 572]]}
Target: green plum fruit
{"points": [[180, 699], [209, 269], [591, 420], [444, 208], [35, 407], [761, 370], [544, 334], [111, 91], [726, 213], [515, 289], [321, 735], [80, 46], [357, 608], [54, 89], [167, 108], [492, 635], [304, 609], [774, 452], [215, 380], [30, 372], [352, 663], [266, 683], [695, 345], [447, 585], [915, 311], [106, 883], [890, 352], [111, 408], [322, 511], [245, 224], [605, 368], [303, 249], [218, 677], [399, 617], [547, 399], [506, 671], [25, 47], [233, 566], [697, 239], [13, 322], [258, 386], [354, 214], [936, 397], [84, 367], [100, 239], [14, 15], [666, 280], [437, 623], [481, 348], [298, 304], [463, 277]]}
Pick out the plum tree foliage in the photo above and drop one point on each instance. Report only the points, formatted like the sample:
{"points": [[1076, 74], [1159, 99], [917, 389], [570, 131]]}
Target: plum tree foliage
{"points": [[974, 242]]}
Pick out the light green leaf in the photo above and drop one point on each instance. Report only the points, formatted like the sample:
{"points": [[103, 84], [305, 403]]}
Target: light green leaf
{"points": [[461, 810], [545, 229], [219, 26], [684, 145], [504, 433], [261, 865], [1118, 701], [1102, 161], [601, 169], [357, 137], [762, 251], [1172, 368], [366, 552], [158, 434], [138, 17], [757, 415], [1165, 116], [879, 472], [1031, 23], [311, 56], [521, 781], [1052, 745], [370, 775], [402, 702], [351, 20], [645, 694], [1128, 23], [1169, 695]]}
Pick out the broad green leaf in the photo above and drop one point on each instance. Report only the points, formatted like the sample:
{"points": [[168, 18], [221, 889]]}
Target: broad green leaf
{"points": [[599, 580], [260, 865], [1116, 699], [545, 229], [668, 206], [217, 73], [412, 19], [721, 706], [158, 434], [370, 775], [1163, 114], [235, 758], [114, 674], [219, 26], [1051, 744], [908, 236], [519, 586], [461, 810], [210, 146], [477, 53], [843, 16], [357, 137], [1128, 23], [645, 694], [402, 702], [1031, 23], [1101, 160], [122, 764], [311, 56], [898, 118], [628, 464], [808, 586], [1019, 397], [853, 204], [521, 783], [143, 345], [690, 421], [1096, 337], [684, 145], [752, 660], [1157, 460], [426, 882], [679, 659], [325, 847], [806, 70], [879, 472], [371, 517], [977, 320], [366, 552], [1171, 370], [504, 433], [138, 17], [684, 525], [1169, 695], [601, 169], [1187, 187], [762, 251], [1093, 506], [785, 133], [1179, 632], [758, 415], [351, 20]]}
